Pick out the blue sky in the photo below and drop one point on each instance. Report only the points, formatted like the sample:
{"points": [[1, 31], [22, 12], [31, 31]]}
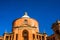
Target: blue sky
{"points": [[46, 12]]}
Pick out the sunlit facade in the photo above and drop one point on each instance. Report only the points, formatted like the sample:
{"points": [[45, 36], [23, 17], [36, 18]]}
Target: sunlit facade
{"points": [[27, 28]]}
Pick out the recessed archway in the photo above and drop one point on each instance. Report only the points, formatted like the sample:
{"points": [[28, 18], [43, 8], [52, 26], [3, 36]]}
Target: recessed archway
{"points": [[25, 35]]}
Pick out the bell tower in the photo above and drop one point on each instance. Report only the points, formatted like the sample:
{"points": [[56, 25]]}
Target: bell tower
{"points": [[56, 29]]}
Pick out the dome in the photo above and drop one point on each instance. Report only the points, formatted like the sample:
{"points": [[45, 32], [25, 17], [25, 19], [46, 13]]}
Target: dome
{"points": [[25, 20]]}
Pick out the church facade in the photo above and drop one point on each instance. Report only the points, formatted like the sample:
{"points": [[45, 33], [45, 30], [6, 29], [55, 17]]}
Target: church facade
{"points": [[26, 28]]}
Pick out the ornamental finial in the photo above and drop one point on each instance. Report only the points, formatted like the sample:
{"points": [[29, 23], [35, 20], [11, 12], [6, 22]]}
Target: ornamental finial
{"points": [[26, 15]]}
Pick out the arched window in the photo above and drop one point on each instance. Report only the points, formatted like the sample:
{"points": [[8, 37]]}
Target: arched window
{"points": [[33, 36], [7, 37], [16, 36], [10, 37], [25, 21], [42, 37], [25, 35]]}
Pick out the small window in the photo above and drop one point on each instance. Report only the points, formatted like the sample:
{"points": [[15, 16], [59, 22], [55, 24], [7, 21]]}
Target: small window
{"points": [[0, 39], [57, 31], [7, 37], [16, 36], [42, 37], [53, 38], [10, 37], [47, 39], [33, 36], [25, 21], [37, 36]]}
